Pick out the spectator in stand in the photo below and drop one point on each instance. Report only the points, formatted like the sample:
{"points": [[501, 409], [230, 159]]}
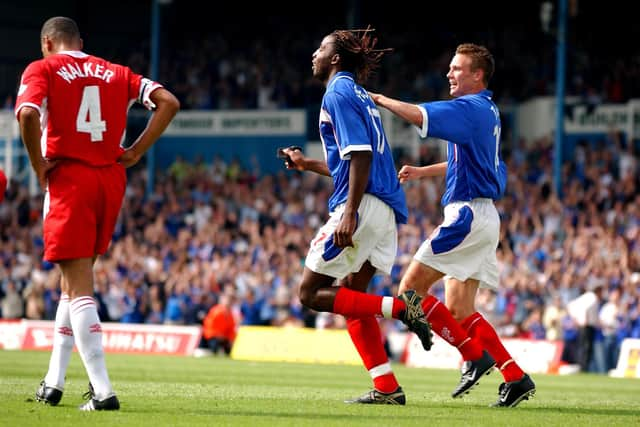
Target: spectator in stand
{"points": [[156, 313], [134, 303], [533, 327], [34, 301], [12, 305], [177, 305], [251, 308], [552, 318]]}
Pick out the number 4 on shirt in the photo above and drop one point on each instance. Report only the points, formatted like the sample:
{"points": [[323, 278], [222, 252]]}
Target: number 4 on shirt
{"points": [[89, 118]]}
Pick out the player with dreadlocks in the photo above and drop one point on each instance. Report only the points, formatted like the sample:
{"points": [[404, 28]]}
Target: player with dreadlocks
{"points": [[367, 204]]}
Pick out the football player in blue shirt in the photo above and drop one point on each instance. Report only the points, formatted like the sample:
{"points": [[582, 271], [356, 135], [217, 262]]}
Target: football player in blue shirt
{"points": [[463, 248], [368, 203]]}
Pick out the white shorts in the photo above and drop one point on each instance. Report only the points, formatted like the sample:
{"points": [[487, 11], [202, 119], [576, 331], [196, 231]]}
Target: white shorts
{"points": [[375, 239], [464, 245]]}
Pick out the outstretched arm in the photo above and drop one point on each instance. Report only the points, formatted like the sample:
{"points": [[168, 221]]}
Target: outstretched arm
{"points": [[409, 173], [167, 106], [302, 163], [409, 112]]}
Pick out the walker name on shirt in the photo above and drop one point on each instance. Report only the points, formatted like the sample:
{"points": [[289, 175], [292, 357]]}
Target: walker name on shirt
{"points": [[70, 72]]}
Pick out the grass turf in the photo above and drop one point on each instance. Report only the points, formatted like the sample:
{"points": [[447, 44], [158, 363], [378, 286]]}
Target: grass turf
{"points": [[178, 391]]}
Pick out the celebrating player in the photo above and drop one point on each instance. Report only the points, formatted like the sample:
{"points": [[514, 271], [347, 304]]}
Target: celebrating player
{"points": [[463, 247], [368, 202]]}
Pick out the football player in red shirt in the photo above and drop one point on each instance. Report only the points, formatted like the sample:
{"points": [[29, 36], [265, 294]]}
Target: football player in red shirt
{"points": [[72, 108]]}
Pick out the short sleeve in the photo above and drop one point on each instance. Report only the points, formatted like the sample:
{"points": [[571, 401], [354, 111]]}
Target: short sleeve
{"points": [[33, 87], [140, 89], [448, 120], [350, 128]]}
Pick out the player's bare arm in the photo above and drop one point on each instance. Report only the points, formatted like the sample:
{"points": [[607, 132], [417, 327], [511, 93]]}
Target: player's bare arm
{"points": [[167, 106], [409, 173], [30, 130], [302, 163], [409, 112], [360, 165]]}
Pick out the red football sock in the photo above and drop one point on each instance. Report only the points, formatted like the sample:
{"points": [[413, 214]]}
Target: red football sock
{"points": [[366, 336], [356, 304], [443, 324], [478, 327]]}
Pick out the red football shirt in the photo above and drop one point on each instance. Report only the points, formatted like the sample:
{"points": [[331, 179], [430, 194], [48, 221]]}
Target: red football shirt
{"points": [[83, 102]]}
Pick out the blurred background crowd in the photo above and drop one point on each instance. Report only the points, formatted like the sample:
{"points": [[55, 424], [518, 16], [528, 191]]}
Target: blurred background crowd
{"points": [[212, 229], [260, 57], [215, 234]]}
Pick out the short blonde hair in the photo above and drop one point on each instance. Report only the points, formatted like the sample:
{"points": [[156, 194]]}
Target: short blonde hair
{"points": [[481, 58]]}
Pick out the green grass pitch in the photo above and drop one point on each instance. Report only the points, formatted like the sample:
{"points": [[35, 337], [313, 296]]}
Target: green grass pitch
{"points": [[214, 391]]}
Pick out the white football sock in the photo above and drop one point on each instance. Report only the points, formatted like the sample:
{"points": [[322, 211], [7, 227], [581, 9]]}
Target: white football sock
{"points": [[88, 333], [62, 345]]}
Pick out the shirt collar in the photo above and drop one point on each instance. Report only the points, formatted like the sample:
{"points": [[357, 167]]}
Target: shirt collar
{"points": [[74, 53], [486, 93], [340, 75]]}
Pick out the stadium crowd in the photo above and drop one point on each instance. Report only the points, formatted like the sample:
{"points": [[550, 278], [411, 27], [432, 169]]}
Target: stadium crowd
{"points": [[211, 229], [220, 73]]}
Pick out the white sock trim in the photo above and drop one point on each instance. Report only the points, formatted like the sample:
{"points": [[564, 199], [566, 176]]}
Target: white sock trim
{"points": [[380, 370], [426, 316], [477, 319], [81, 303], [387, 307], [466, 340]]}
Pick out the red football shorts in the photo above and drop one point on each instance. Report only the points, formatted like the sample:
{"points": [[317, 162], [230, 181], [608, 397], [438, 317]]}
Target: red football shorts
{"points": [[80, 209]]}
